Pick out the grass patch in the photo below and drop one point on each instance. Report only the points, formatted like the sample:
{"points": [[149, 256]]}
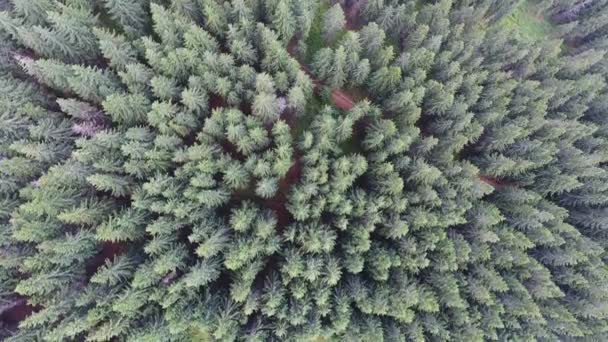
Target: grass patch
{"points": [[527, 23]]}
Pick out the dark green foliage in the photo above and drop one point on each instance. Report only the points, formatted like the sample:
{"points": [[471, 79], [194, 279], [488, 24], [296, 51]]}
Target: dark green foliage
{"points": [[169, 171], [132, 15]]}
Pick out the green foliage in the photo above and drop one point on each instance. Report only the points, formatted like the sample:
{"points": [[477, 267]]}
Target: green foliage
{"points": [[126, 108], [131, 15], [66, 31], [527, 21], [169, 171], [333, 23], [314, 40]]}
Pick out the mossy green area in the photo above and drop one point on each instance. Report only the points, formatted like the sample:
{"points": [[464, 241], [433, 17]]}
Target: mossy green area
{"points": [[528, 22]]}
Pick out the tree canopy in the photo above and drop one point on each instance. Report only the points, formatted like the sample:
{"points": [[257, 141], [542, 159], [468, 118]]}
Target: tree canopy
{"points": [[282, 170]]}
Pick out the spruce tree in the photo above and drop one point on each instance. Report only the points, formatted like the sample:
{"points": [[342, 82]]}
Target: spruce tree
{"points": [[286, 170]]}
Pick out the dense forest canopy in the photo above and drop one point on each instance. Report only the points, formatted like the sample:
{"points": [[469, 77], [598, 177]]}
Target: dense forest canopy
{"points": [[315, 170]]}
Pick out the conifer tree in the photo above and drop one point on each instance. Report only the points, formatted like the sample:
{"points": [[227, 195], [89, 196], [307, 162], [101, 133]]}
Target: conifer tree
{"points": [[333, 23], [284, 170], [283, 20], [131, 15]]}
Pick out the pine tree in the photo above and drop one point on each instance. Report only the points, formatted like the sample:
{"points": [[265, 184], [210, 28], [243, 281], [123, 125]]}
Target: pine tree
{"points": [[130, 15], [283, 20], [34, 12], [333, 23], [127, 108], [266, 106], [172, 170]]}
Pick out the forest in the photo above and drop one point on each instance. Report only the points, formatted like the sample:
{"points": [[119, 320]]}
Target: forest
{"points": [[303, 170]]}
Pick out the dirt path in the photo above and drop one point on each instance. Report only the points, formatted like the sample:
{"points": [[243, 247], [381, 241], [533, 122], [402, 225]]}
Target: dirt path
{"points": [[494, 182], [342, 100]]}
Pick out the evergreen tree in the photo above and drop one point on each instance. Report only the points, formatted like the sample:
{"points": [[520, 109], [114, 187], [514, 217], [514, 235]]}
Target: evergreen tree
{"points": [[203, 170], [283, 20], [333, 23], [131, 15]]}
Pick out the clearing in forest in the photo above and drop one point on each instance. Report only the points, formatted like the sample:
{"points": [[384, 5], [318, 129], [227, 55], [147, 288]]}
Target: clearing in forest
{"points": [[529, 22]]}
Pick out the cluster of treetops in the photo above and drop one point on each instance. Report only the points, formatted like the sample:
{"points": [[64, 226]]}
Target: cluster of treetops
{"points": [[179, 170]]}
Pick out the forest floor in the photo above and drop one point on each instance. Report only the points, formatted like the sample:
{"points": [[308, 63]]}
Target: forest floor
{"points": [[352, 10], [494, 182], [342, 100], [14, 312]]}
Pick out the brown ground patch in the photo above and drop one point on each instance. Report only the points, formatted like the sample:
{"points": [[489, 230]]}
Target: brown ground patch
{"points": [[108, 251], [216, 101], [353, 10], [495, 182], [16, 311], [342, 100]]}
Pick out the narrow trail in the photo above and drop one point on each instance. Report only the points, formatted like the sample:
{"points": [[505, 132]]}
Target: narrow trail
{"points": [[342, 100]]}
